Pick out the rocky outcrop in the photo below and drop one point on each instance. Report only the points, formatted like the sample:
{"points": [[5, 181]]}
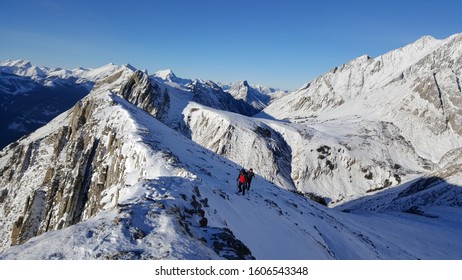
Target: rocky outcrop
{"points": [[211, 95], [146, 94], [75, 160], [68, 192]]}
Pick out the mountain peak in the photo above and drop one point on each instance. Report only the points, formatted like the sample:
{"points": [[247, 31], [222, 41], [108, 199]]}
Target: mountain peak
{"points": [[16, 63], [425, 41], [241, 85], [129, 66], [426, 38], [455, 36], [166, 75], [23, 68]]}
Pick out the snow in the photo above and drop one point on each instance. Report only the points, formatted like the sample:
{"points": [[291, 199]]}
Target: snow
{"points": [[397, 87], [51, 76], [343, 136], [164, 74], [272, 222]]}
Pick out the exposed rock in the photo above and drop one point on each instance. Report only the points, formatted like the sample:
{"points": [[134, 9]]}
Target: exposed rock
{"points": [[146, 94], [203, 222]]}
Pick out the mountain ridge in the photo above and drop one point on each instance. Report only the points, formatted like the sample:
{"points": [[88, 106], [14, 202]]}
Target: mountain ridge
{"points": [[150, 186], [145, 168], [412, 94]]}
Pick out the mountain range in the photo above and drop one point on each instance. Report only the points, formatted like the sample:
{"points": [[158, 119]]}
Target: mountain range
{"points": [[363, 162], [31, 96]]}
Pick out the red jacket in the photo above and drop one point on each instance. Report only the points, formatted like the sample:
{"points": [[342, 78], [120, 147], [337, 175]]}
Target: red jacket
{"points": [[242, 178]]}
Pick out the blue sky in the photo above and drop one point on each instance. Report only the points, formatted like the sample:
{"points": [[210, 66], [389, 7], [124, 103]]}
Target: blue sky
{"points": [[277, 43]]}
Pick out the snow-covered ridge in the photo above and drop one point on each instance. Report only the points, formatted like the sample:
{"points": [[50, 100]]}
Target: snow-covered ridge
{"points": [[246, 141], [48, 76], [107, 180], [117, 176], [417, 88]]}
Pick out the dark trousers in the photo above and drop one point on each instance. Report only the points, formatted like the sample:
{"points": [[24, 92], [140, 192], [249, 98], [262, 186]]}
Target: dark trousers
{"points": [[248, 184], [241, 186]]}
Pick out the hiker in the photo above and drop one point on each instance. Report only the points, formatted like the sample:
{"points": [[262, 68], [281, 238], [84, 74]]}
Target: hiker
{"points": [[242, 181], [250, 176]]}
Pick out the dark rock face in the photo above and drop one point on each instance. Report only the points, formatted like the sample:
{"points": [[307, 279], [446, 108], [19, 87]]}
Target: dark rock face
{"points": [[211, 95], [146, 94], [62, 174], [226, 245], [68, 193]]}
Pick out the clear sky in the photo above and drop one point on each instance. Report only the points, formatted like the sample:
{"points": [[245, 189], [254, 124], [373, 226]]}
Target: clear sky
{"points": [[283, 43]]}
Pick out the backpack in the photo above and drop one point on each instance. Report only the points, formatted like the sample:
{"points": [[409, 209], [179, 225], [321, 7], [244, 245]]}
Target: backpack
{"points": [[242, 178]]}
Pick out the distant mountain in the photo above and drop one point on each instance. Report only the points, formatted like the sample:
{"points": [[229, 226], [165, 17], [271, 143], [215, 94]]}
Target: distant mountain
{"points": [[31, 96], [243, 91], [169, 76], [256, 95]]}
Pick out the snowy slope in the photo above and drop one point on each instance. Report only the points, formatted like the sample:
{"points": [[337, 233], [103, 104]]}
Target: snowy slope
{"points": [[244, 140], [108, 180], [132, 170], [416, 88], [145, 187], [436, 195], [168, 76], [340, 160]]}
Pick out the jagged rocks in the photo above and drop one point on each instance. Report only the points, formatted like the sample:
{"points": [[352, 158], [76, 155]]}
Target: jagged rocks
{"points": [[127, 255], [227, 246], [210, 94], [146, 94], [3, 195], [64, 171], [203, 222], [243, 91]]}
